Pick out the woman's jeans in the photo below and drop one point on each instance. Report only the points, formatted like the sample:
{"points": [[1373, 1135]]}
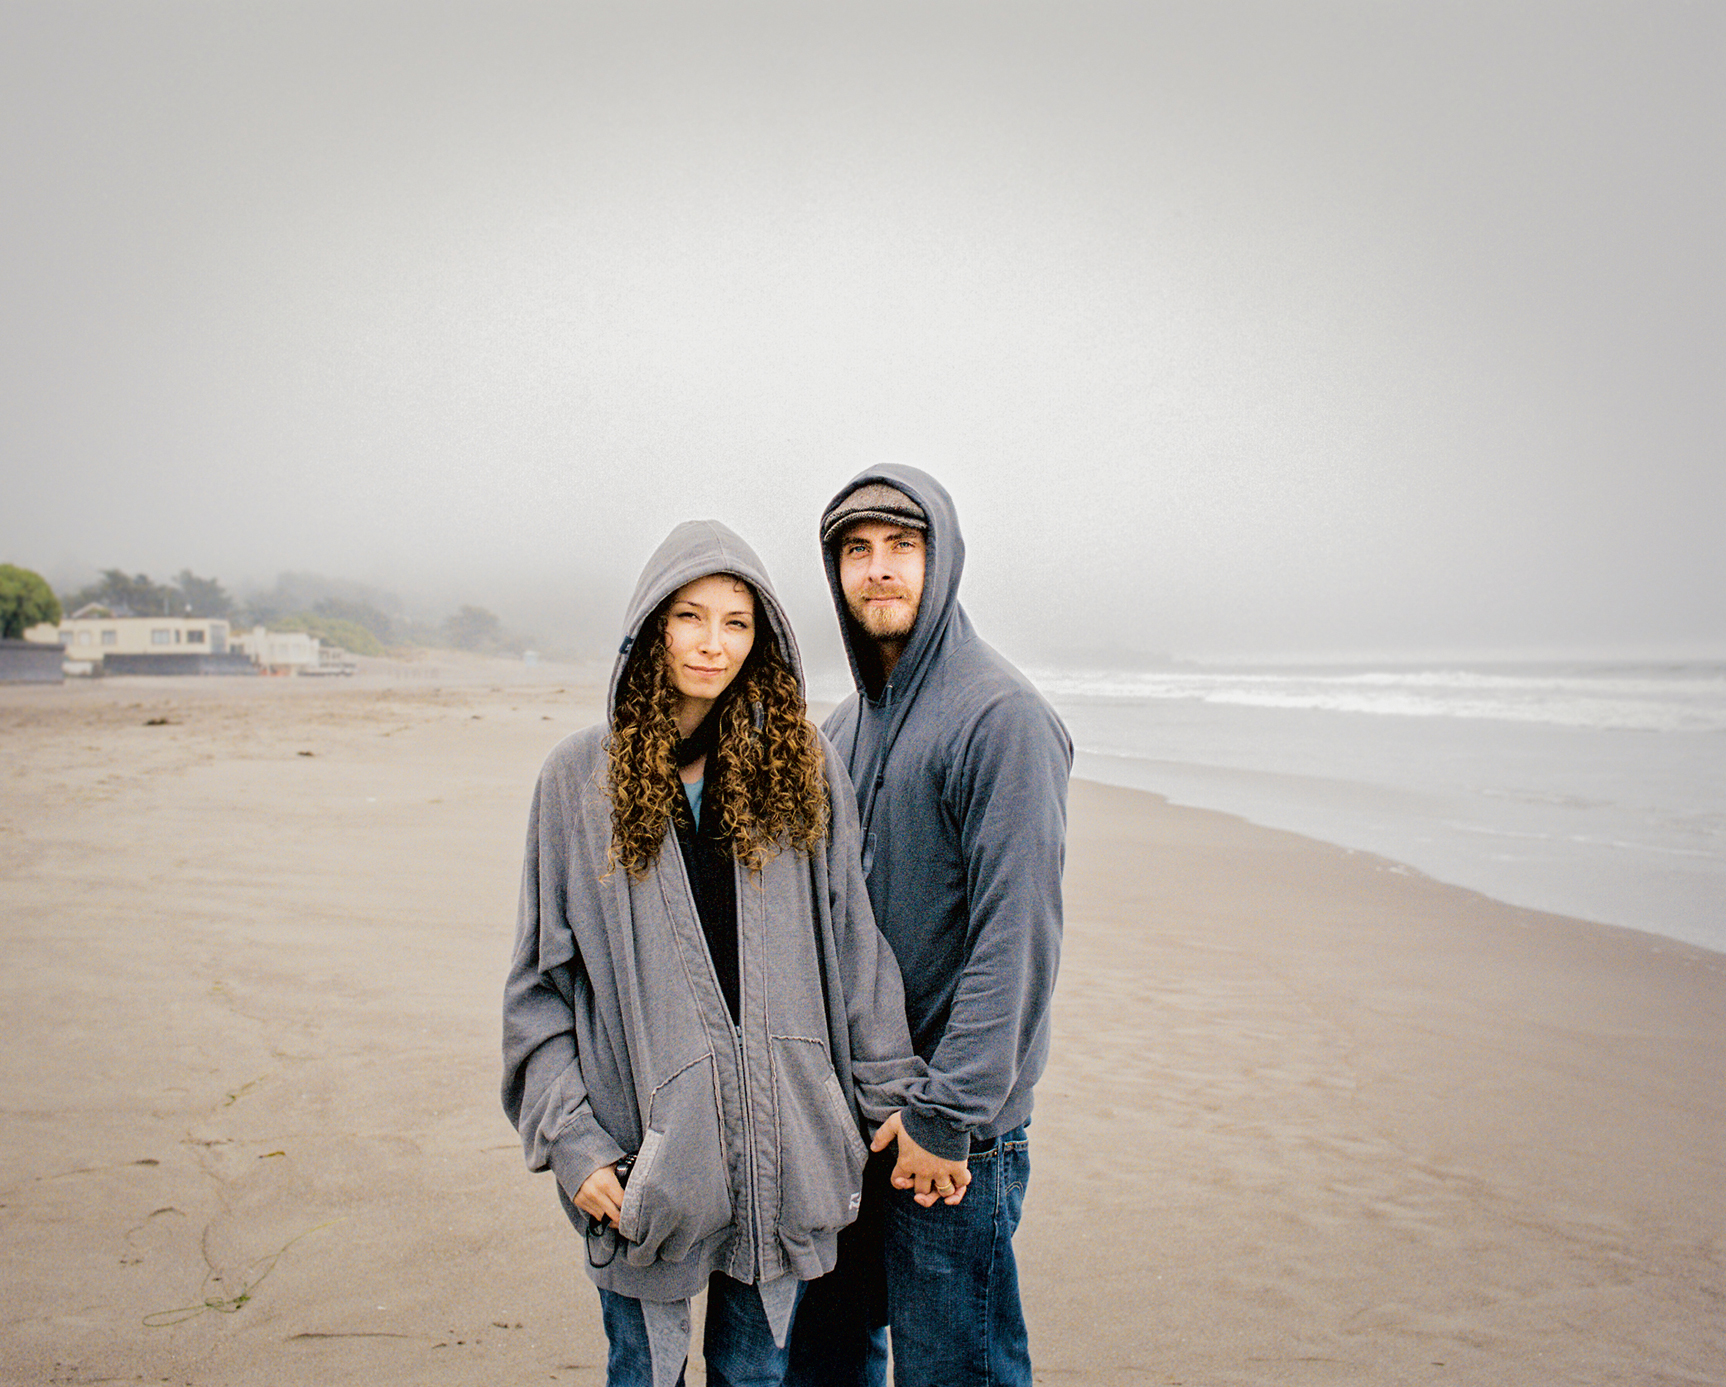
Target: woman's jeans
{"points": [[737, 1343], [951, 1285]]}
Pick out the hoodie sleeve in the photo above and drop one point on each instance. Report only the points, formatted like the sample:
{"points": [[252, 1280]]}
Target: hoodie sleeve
{"points": [[882, 1063], [543, 1091], [1008, 793]]}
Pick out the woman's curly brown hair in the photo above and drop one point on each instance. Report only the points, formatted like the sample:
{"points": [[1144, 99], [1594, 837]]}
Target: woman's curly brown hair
{"points": [[771, 784]]}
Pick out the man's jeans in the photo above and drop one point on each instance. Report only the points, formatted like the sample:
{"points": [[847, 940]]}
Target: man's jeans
{"points": [[737, 1342], [951, 1293]]}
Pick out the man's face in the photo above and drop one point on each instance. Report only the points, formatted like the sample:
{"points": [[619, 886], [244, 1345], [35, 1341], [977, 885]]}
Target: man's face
{"points": [[881, 575]]}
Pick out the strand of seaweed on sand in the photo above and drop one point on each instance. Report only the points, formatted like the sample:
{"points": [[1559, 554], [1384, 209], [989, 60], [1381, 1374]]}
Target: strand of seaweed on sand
{"points": [[228, 1305]]}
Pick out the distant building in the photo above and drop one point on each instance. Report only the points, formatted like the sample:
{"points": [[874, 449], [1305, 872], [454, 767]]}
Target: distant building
{"points": [[292, 652], [97, 643], [94, 638], [279, 652]]}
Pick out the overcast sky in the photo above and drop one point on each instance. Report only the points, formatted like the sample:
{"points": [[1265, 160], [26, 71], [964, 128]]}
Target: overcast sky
{"points": [[1232, 327]]}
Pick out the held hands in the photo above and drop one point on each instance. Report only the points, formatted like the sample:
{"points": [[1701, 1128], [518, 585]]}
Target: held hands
{"points": [[601, 1195], [929, 1177]]}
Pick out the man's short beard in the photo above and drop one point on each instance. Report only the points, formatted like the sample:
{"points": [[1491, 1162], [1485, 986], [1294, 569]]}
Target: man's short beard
{"points": [[885, 624]]}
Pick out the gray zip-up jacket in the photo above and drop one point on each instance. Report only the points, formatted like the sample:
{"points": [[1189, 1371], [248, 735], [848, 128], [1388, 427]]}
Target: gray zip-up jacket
{"points": [[961, 772], [616, 1037]]}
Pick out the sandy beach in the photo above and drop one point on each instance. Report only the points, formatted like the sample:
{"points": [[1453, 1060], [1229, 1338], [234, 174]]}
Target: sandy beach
{"points": [[1311, 1117]]}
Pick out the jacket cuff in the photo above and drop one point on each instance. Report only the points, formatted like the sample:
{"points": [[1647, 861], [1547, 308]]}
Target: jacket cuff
{"points": [[580, 1149], [884, 1087], [936, 1136]]}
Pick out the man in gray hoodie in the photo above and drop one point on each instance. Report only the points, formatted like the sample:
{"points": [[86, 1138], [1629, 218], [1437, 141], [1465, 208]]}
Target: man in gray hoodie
{"points": [[960, 768]]}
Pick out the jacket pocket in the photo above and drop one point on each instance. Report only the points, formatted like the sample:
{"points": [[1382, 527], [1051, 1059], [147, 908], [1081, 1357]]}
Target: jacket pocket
{"points": [[678, 1193], [821, 1152]]}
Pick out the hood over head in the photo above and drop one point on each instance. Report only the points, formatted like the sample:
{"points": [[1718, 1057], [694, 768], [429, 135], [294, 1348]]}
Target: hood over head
{"points": [[693, 550], [943, 562]]}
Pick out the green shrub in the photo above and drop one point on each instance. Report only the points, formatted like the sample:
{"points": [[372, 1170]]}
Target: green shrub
{"points": [[25, 600]]}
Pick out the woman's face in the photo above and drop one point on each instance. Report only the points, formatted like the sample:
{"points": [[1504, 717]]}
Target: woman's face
{"points": [[709, 632]]}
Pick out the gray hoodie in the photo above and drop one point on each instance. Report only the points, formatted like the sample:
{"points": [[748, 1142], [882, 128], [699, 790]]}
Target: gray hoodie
{"points": [[616, 1037], [961, 772]]}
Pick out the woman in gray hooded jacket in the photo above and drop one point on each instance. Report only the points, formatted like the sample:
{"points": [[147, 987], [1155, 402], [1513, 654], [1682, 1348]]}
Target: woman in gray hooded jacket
{"points": [[701, 1020]]}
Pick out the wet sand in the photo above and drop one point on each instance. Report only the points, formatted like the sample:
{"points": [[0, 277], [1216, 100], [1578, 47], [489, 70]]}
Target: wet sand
{"points": [[1311, 1117]]}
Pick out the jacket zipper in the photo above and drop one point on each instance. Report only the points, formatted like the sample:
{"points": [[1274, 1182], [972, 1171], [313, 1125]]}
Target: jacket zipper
{"points": [[749, 1176], [758, 1256]]}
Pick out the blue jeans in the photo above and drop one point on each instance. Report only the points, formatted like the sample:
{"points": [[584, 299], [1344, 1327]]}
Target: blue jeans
{"points": [[737, 1342], [951, 1288]]}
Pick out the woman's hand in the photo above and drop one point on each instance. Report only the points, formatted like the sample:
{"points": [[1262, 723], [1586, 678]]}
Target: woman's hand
{"points": [[601, 1195], [929, 1177]]}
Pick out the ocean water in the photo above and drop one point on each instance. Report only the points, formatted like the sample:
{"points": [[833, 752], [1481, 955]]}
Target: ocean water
{"points": [[1586, 790]]}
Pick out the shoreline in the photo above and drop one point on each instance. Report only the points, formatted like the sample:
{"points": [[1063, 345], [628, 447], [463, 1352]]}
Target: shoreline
{"points": [[1265, 816], [1571, 870], [1309, 1116]]}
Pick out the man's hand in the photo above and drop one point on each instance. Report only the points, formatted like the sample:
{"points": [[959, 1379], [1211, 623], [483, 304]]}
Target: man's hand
{"points": [[929, 1177], [601, 1196]]}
